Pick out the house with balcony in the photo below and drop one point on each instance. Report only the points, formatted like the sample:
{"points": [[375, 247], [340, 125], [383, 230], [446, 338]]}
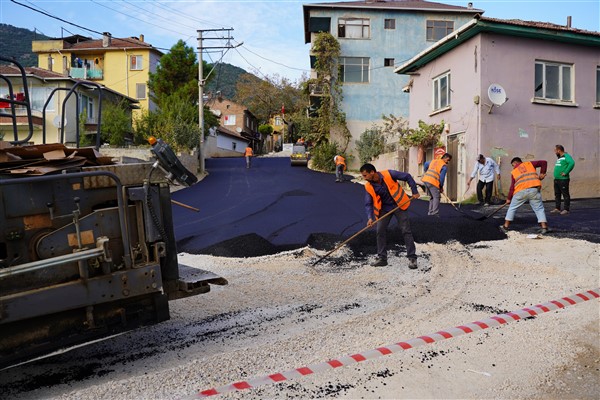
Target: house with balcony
{"points": [[121, 64], [56, 105], [236, 118], [376, 36], [511, 88]]}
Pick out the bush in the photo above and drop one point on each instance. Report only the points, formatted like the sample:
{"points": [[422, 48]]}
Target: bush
{"points": [[322, 156], [370, 145]]}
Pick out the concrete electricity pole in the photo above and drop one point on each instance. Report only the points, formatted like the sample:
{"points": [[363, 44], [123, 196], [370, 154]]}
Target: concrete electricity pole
{"points": [[202, 81]]}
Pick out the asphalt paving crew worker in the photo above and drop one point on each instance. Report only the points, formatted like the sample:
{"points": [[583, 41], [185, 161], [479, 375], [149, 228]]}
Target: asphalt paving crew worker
{"points": [[435, 174], [384, 194], [340, 167], [563, 167], [486, 168], [526, 185], [248, 154]]}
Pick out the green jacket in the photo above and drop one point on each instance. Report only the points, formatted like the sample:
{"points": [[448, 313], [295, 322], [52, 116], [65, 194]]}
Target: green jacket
{"points": [[564, 165]]}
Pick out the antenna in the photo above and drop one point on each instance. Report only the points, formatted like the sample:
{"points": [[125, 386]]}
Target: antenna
{"points": [[497, 96]]}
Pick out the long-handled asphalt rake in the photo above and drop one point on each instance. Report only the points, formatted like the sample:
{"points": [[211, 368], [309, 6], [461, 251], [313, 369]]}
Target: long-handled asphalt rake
{"points": [[361, 231]]}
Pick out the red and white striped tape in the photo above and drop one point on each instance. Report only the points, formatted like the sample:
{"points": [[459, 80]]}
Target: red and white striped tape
{"points": [[491, 322]]}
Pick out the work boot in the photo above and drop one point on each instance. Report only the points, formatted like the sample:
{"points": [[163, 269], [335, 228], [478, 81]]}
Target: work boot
{"points": [[564, 212], [555, 211], [412, 263], [379, 262]]}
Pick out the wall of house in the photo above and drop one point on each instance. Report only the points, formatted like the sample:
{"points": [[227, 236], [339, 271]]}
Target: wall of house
{"points": [[221, 146], [519, 127], [365, 103]]}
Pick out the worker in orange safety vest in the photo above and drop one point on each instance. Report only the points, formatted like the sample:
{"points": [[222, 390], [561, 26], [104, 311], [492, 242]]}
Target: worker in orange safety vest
{"points": [[435, 174], [340, 167], [248, 154], [383, 195], [526, 186]]}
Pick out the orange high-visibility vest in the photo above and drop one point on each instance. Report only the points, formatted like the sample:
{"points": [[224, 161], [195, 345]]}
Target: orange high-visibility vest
{"points": [[525, 177], [398, 194], [340, 160], [432, 175], [249, 152]]}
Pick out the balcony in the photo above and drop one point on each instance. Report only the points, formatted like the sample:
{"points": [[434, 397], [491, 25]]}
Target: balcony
{"points": [[316, 90], [86, 73]]}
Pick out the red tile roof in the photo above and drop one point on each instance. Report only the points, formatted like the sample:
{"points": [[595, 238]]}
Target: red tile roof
{"points": [[115, 43]]}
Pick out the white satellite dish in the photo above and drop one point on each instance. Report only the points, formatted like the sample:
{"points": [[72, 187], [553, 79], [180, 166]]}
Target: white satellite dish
{"points": [[58, 120], [497, 94], [238, 129]]}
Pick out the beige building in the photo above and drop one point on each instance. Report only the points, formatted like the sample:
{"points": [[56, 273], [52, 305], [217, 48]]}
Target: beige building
{"points": [[46, 92], [121, 64]]}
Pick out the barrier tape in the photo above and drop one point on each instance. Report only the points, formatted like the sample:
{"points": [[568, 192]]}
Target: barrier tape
{"points": [[491, 322]]}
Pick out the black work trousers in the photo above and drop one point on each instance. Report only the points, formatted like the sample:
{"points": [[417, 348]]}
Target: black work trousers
{"points": [[489, 186], [561, 188], [404, 226]]}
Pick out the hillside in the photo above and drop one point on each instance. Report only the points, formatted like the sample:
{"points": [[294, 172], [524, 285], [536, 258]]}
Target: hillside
{"points": [[19, 45], [224, 79]]}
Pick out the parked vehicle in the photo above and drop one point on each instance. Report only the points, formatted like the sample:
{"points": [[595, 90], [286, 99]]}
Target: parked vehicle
{"points": [[299, 155]]}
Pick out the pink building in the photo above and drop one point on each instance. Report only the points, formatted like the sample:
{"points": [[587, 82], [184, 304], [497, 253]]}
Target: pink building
{"points": [[507, 88]]}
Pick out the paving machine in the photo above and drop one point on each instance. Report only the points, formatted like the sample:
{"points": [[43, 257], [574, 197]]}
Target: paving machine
{"points": [[86, 251]]}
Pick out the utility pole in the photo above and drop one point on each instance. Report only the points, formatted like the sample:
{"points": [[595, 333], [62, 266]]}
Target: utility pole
{"points": [[201, 82]]}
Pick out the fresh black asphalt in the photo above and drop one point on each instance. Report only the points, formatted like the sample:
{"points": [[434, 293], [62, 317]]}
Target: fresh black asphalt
{"points": [[273, 207]]}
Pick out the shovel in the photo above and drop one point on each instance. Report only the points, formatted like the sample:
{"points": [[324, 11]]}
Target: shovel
{"points": [[495, 211], [481, 218], [361, 231]]}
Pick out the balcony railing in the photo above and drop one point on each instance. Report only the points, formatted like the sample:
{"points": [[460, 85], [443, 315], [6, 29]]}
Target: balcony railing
{"points": [[85, 73]]}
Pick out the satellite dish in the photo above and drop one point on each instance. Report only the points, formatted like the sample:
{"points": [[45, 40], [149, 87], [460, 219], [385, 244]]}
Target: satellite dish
{"points": [[238, 129], [57, 121], [497, 94]]}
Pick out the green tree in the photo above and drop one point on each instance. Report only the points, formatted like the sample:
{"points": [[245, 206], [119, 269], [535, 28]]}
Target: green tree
{"points": [[329, 116], [265, 97], [265, 129], [425, 135], [371, 144], [116, 123], [177, 73]]}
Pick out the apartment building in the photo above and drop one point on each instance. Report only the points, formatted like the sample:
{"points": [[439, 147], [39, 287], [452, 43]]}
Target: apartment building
{"points": [[375, 37]]}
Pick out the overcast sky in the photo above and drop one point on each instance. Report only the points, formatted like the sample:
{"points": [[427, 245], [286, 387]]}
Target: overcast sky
{"points": [[271, 30]]}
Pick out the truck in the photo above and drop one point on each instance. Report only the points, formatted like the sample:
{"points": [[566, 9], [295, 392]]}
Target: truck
{"points": [[87, 247]]}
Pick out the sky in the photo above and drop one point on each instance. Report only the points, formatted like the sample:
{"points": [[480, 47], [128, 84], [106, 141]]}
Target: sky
{"points": [[269, 34]]}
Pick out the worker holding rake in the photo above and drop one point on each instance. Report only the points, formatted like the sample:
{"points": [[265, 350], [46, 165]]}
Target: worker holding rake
{"points": [[386, 198]]}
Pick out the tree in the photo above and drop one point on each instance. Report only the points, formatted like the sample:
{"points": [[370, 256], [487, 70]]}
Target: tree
{"points": [[177, 73], [265, 97], [371, 144], [329, 116], [397, 130], [174, 88], [116, 123]]}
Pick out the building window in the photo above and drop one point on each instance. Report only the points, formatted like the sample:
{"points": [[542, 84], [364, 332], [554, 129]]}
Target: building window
{"points": [[319, 24], [553, 81], [389, 23], [354, 28], [388, 62], [438, 29], [136, 63], [229, 119], [354, 69], [441, 91], [87, 105], [598, 86], [140, 90], [38, 97]]}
